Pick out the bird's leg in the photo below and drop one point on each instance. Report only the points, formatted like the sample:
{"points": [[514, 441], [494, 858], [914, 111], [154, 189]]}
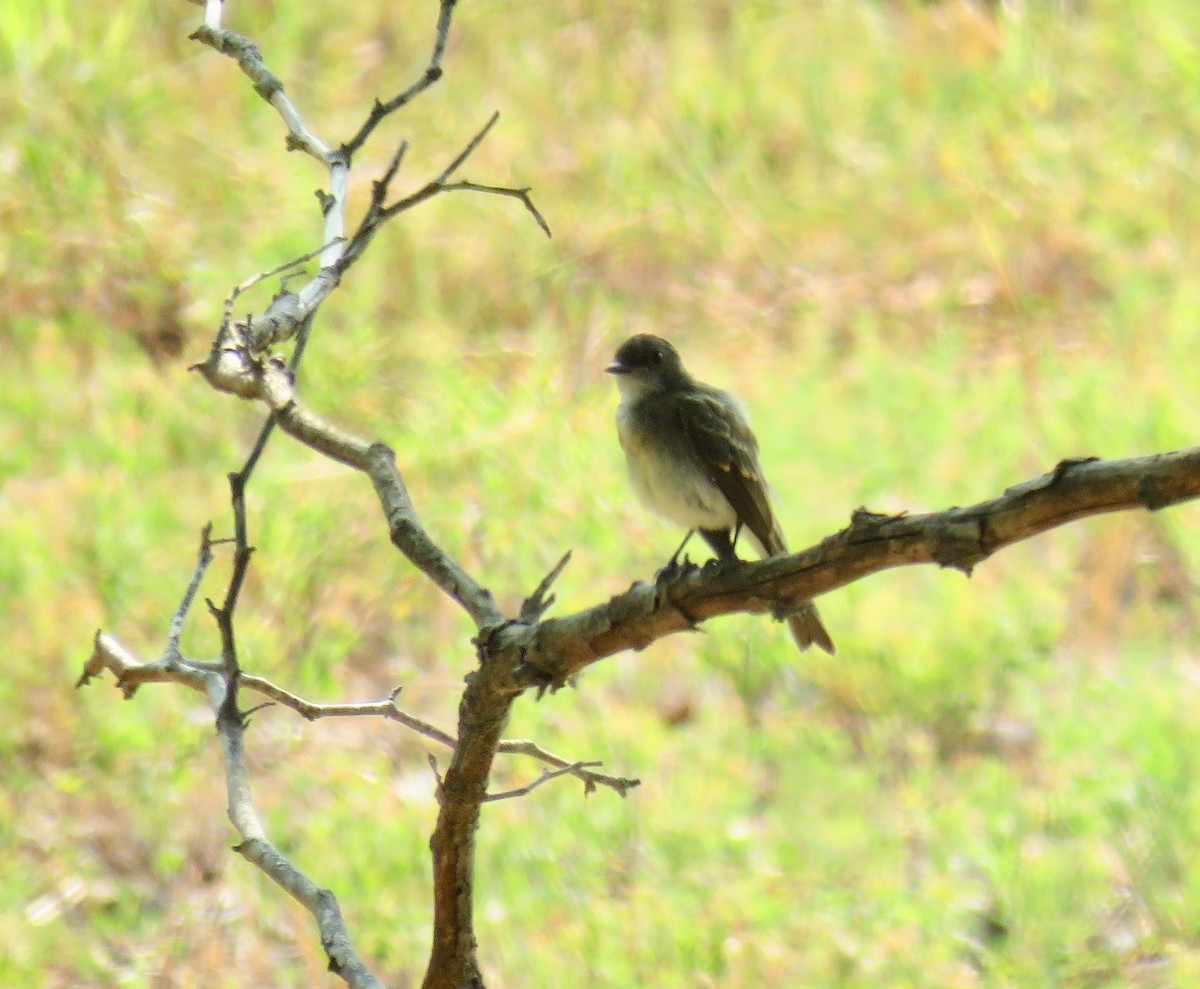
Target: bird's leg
{"points": [[722, 545], [672, 566], [675, 556]]}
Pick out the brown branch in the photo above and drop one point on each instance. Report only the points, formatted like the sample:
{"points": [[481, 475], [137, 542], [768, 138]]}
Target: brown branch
{"points": [[536, 605], [959, 537], [482, 715]]}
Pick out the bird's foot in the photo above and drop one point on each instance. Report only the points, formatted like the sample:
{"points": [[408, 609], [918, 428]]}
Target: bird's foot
{"points": [[719, 564], [674, 569]]}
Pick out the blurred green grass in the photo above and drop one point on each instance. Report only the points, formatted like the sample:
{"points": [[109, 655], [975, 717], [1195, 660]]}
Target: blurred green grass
{"points": [[933, 252]]}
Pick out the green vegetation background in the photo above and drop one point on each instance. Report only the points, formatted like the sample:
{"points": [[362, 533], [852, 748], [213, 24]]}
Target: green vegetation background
{"points": [[933, 251]]}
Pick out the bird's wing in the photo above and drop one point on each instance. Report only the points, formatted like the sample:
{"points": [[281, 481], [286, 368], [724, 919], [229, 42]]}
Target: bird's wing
{"points": [[725, 447]]}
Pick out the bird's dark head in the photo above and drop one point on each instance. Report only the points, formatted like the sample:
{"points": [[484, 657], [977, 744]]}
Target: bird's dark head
{"points": [[646, 363]]}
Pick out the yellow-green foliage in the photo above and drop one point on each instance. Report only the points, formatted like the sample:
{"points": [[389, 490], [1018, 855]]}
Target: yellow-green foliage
{"points": [[934, 250]]}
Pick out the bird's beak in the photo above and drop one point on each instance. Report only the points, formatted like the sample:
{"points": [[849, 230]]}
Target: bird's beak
{"points": [[616, 367]]}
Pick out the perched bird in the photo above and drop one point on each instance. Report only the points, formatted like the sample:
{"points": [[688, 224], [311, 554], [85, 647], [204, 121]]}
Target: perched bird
{"points": [[694, 460]]}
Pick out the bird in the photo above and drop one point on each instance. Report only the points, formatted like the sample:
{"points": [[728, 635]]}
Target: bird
{"points": [[693, 460]]}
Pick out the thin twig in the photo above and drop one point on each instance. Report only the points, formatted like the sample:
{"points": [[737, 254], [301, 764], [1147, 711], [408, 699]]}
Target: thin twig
{"points": [[534, 606], [441, 783], [546, 777], [131, 673], [438, 184], [591, 780], [522, 194], [260, 444], [311, 711], [241, 565], [302, 336], [203, 559], [388, 710], [377, 213], [432, 73], [380, 188], [262, 276]]}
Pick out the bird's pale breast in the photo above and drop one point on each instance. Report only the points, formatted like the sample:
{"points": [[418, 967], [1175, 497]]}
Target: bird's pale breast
{"points": [[667, 479]]}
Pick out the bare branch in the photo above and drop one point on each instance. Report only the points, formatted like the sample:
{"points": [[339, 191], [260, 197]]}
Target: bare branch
{"points": [[536, 604], [268, 85], [380, 188], [291, 312], [255, 846], [224, 614], [131, 673], [432, 73], [482, 715], [431, 759], [438, 184], [524, 746], [499, 190], [378, 213], [310, 711], [547, 775], [261, 276], [410, 538], [388, 710], [257, 849], [959, 537], [282, 321], [203, 559]]}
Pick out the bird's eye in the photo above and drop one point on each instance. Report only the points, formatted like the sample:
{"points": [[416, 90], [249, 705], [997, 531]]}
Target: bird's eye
{"points": [[658, 356]]}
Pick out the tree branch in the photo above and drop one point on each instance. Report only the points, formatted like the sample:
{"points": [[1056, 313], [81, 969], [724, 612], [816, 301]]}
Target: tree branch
{"points": [[522, 194], [959, 537], [255, 846], [432, 73], [266, 83], [545, 777], [203, 560], [131, 673], [379, 212]]}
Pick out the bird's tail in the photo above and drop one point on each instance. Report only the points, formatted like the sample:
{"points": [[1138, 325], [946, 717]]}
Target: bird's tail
{"points": [[806, 628], [804, 623]]}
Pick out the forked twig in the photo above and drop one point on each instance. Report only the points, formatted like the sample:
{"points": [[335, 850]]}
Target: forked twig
{"points": [[547, 775]]}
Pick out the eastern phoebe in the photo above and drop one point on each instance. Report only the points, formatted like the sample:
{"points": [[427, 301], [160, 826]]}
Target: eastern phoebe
{"points": [[694, 461]]}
